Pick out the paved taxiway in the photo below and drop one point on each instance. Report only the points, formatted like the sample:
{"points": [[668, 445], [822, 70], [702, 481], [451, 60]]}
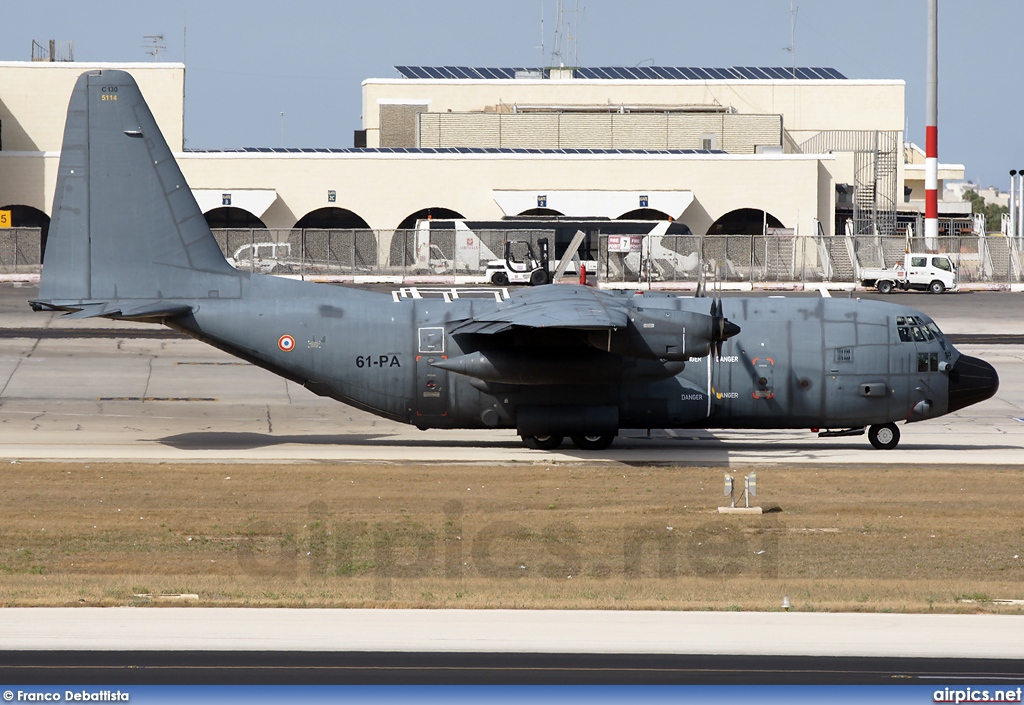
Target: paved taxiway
{"points": [[96, 389], [504, 646]]}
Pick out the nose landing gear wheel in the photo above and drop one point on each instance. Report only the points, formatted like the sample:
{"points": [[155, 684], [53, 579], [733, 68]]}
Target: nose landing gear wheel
{"points": [[884, 436], [542, 442], [595, 442]]}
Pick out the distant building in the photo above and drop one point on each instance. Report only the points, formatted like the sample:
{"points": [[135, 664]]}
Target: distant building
{"points": [[723, 151]]}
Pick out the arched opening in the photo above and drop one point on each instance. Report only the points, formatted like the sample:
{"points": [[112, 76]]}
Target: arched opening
{"points": [[543, 212], [645, 214], [29, 217], [744, 221], [332, 219], [230, 217], [434, 213]]}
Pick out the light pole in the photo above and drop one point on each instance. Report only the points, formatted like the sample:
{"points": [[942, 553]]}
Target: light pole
{"points": [[1012, 203]]}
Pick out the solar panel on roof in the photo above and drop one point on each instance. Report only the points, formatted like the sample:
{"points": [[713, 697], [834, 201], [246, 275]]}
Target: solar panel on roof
{"points": [[627, 72]]}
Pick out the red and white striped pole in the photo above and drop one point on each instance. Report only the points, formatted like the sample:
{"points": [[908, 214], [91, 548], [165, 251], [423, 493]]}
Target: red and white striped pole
{"points": [[931, 162]]}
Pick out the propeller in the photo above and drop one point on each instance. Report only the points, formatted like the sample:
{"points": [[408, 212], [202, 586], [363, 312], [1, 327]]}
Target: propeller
{"points": [[721, 328]]}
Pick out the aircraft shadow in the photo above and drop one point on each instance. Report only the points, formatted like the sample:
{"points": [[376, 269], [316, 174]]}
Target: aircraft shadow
{"points": [[241, 440]]}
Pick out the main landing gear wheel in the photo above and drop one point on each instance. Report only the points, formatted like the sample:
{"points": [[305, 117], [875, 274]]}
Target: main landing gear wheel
{"points": [[542, 442], [596, 442], [884, 287], [884, 436]]}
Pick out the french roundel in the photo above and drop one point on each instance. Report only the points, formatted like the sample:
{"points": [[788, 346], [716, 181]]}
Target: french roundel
{"points": [[286, 343]]}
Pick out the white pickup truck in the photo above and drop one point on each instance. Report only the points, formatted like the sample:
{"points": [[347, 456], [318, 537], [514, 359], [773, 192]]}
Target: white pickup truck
{"points": [[921, 271]]}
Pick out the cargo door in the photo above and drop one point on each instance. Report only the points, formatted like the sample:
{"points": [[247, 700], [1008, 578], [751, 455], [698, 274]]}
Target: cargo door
{"points": [[431, 382]]}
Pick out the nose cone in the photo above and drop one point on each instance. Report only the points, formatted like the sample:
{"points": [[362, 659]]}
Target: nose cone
{"points": [[970, 381]]}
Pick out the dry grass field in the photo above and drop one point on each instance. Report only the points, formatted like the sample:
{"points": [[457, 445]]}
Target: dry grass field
{"points": [[598, 536]]}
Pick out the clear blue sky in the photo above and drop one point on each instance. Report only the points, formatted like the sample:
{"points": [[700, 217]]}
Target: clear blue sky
{"points": [[249, 61]]}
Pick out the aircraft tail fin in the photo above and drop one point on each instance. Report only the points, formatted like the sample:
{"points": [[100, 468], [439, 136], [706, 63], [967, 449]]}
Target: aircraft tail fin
{"points": [[125, 224]]}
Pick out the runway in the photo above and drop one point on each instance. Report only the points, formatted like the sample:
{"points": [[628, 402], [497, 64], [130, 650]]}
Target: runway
{"points": [[91, 390]]}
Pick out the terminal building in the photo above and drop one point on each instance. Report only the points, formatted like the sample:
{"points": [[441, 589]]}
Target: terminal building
{"points": [[721, 151]]}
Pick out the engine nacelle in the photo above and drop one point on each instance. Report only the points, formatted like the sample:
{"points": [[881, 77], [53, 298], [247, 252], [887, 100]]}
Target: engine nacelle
{"points": [[660, 334]]}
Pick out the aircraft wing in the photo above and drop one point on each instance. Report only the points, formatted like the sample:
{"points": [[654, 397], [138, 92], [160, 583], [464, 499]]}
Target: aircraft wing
{"points": [[572, 307]]}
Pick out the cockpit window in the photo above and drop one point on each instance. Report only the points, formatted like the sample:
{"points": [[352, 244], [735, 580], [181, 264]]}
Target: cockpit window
{"points": [[917, 329]]}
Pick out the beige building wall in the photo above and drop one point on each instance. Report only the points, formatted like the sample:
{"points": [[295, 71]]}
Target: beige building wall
{"points": [[33, 104], [729, 132], [807, 106], [34, 100], [384, 189]]}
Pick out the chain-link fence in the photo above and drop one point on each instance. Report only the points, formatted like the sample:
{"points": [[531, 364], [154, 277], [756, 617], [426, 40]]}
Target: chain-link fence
{"points": [[682, 259], [760, 259], [722, 258], [20, 250], [371, 253]]}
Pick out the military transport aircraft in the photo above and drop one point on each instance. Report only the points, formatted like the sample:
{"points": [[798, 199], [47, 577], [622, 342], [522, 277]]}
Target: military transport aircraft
{"points": [[128, 241]]}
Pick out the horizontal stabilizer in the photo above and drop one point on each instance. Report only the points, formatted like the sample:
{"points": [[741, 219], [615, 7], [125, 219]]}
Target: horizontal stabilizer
{"points": [[151, 311]]}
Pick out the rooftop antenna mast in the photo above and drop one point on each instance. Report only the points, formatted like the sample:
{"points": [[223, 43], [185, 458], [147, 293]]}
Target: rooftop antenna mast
{"points": [[574, 36], [792, 33], [155, 45], [558, 54], [543, 54]]}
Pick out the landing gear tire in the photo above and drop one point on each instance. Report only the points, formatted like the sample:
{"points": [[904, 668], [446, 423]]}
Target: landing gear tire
{"points": [[884, 287], [499, 279], [595, 442], [884, 436], [542, 442], [936, 287], [538, 277]]}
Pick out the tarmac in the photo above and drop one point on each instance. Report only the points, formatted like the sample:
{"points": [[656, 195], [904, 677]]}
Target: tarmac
{"points": [[93, 389]]}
